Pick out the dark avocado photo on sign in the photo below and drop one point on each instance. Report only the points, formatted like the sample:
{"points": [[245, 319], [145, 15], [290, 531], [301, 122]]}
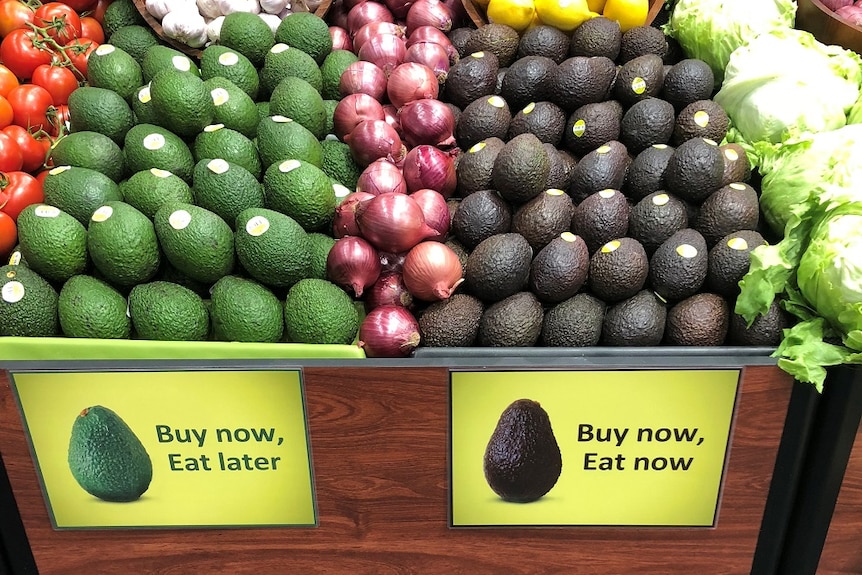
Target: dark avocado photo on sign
{"points": [[523, 461], [106, 457]]}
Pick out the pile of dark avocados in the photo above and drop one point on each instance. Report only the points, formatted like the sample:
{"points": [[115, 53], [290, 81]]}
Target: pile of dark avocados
{"points": [[596, 204]]}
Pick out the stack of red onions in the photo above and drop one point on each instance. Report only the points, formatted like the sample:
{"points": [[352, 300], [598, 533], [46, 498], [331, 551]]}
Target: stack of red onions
{"points": [[389, 249]]}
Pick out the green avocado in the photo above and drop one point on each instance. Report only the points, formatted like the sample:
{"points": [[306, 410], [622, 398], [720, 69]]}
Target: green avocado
{"points": [[522, 460], [106, 457]]}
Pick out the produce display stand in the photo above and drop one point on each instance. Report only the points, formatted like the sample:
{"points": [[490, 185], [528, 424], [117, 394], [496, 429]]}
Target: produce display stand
{"points": [[379, 433], [824, 533]]}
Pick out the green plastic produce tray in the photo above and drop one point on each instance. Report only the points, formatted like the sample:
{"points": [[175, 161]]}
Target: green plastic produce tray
{"points": [[60, 348]]}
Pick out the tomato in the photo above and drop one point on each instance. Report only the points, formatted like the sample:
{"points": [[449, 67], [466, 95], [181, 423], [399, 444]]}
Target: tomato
{"points": [[58, 120], [11, 158], [14, 15], [8, 235], [58, 80], [8, 80], [78, 51], [6, 113], [99, 10], [90, 28], [30, 103], [22, 50], [62, 22], [21, 190], [32, 149]]}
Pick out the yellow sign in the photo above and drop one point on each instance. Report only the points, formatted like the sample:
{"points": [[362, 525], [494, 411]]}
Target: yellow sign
{"points": [[644, 448], [170, 449]]}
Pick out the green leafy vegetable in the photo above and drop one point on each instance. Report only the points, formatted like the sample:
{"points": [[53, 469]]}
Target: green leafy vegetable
{"points": [[824, 81], [712, 29]]}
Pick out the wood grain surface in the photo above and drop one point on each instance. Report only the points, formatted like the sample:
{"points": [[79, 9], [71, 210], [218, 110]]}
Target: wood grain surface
{"points": [[379, 440], [842, 553]]}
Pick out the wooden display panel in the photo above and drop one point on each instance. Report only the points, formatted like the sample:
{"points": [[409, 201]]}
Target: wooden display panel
{"points": [[379, 438], [842, 553]]}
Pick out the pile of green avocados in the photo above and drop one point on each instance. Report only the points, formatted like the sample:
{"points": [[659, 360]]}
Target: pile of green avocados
{"points": [[596, 202]]}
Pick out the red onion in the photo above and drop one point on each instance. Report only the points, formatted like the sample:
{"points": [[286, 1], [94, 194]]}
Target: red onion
{"points": [[429, 167], [391, 262], [353, 109], [365, 12], [363, 78], [392, 222], [389, 289], [340, 39], [381, 177], [459, 12], [411, 81], [389, 331], [374, 139], [375, 28], [435, 210], [391, 116], [344, 222], [353, 263], [429, 13], [836, 4], [851, 14], [427, 121], [347, 5], [432, 271], [399, 7], [435, 35], [385, 50], [432, 55]]}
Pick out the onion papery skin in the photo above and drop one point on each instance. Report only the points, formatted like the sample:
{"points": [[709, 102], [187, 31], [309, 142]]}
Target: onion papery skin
{"points": [[344, 222], [374, 139], [392, 222], [389, 331], [432, 271], [363, 77], [436, 212], [381, 177], [427, 121], [354, 109], [389, 289], [411, 81], [427, 166]]}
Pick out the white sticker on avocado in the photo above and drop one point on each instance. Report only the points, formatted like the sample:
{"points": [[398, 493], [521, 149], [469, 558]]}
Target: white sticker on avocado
{"points": [[477, 55], [611, 246], [281, 119], [554, 192], [46, 211], [228, 59], [144, 94], [154, 142], [219, 96], [59, 170], [257, 226], [731, 154], [659, 146], [218, 166], [104, 49], [13, 292], [279, 48], [213, 127], [687, 251], [660, 199], [102, 214], [160, 173], [288, 165], [701, 118], [738, 186], [341, 192], [737, 244], [638, 85], [578, 128], [128, 311], [603, 149], [528, 108], [497, 101], [15, 258], [568, 237], [710, 142], [607, 194], [181, 63], [477, 148], [180, 219]]}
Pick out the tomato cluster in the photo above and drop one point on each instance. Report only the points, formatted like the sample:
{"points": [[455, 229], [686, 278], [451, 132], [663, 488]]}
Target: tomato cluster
{"points": [[44, 49]]}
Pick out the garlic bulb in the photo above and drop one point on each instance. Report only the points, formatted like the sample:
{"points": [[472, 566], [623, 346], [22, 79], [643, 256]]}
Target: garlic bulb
{"points": [[271, 20], [158, 8], [231, 6], [214, 29], [273, 6], [186, 26], [209, 8]]}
